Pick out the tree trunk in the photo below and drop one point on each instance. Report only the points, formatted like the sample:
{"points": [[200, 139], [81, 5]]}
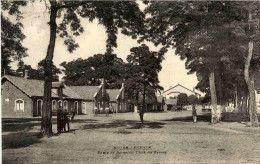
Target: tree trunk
{"points": [[220, 94], [46, 124], [239, 99], [143, 102], [244, 103], [214, 116], [251, 88], [236, 100]]}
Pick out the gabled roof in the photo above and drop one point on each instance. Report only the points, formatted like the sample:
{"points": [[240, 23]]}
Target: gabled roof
{"points": [[33, 87], [85, 92], [171, 101], [113, 93], [182, 87]]}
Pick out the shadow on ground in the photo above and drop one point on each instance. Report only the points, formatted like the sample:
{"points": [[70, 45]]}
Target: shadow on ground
{"points": [[127, 124], [83, 121], [21, 139], [19, 124]]}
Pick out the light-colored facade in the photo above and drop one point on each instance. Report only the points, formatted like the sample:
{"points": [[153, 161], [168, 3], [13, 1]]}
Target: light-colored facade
{"points": [[173, 92]]}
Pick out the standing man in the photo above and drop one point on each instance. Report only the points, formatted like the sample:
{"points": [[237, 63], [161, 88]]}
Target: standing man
{"points": [[59, 120], [66, 120], [194, 113], [141, 114], [73, 113]]}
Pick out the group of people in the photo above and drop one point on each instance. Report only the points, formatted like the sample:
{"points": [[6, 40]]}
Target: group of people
{"points": [[63, 118]]}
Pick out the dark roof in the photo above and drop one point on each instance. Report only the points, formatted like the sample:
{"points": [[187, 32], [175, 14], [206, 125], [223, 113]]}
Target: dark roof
{"points": [[85, 92], [171, 101], [160, 99], [113, 93], [182, 87], [36, 87]]}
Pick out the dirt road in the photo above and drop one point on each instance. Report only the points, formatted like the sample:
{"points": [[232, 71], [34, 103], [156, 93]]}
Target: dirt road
{"points": [[169, 137]]}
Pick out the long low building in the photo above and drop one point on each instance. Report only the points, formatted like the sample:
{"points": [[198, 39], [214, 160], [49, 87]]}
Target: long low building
{"points": [[98, 97], [23, 97]]}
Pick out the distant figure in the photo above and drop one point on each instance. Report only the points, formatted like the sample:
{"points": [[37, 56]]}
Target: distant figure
{"points": [[95, 111], [73, 113], [66, 120], [141, 114], [194, 113], [59, 120]]}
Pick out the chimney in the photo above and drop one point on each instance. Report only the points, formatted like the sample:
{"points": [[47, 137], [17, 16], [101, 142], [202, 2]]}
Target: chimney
{"points": [[4, 72], [103, 87], [26, 74]]}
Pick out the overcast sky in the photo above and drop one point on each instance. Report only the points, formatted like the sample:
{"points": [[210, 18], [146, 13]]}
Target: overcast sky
{"points": [[91, 42]]}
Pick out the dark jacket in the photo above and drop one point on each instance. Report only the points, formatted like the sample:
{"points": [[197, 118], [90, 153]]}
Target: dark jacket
{"points": [[194, 112], [60, 114]]}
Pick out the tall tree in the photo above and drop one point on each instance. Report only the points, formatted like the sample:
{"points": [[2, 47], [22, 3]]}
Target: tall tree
{"points": [[249, 73], [203, 33], [144, 68], [113, 15]]}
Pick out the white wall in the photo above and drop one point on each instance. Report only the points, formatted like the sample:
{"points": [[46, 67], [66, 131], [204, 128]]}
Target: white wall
{"points": [[174, 92], [258, 102]]}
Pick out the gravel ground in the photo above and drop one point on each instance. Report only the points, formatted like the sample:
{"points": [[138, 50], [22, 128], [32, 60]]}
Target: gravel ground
{"points": [[169, 137]]}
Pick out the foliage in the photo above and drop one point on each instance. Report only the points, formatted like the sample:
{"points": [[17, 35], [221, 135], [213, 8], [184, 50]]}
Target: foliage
{"points": [[142, 70], [11, 35], [90, 71], [182, 99], [36, 73], [112, 14], [208, 35], [193, 100]]}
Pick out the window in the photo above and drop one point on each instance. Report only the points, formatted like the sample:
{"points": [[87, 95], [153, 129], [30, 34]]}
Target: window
{"points": [[65, 105], [39, 107], [76, 106], [60, 104], [19, 105], [54, 105]]}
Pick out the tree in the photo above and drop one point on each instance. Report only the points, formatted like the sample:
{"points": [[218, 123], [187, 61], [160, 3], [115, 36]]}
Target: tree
{"points": [[206, 34], [35, 73], [11, 36], [249, 76], [90, 71], [144, 66], [193, 100], [182, 99], [55, 71], [113, 15]]}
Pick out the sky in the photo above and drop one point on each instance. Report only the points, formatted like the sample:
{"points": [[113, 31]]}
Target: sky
{"points": [[92, 41]]}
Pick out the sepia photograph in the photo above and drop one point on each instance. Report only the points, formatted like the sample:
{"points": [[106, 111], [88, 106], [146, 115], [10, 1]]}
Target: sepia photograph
{"points": [[130, 81]]}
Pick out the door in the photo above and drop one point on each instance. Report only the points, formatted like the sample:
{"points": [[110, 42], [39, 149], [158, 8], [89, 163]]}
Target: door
{"points": [[84, 108], [76, 107], [39, 107]]}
